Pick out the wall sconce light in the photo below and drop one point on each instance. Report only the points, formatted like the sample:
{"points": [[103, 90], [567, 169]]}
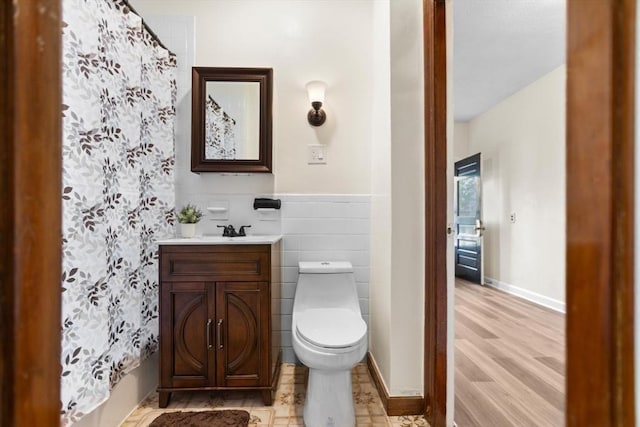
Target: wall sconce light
{"points": [[315, 90]]}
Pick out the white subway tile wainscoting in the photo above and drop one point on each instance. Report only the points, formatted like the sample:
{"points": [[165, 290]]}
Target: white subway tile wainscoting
{"points": [[322, 228]]}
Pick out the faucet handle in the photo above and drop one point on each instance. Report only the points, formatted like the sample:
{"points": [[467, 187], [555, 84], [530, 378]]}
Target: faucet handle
{"points": [[226, 232], [242, 232]]}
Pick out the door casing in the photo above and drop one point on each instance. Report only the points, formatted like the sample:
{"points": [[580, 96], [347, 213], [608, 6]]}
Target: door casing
{"points": [[435, 294], [30, 212], [600, 214]]}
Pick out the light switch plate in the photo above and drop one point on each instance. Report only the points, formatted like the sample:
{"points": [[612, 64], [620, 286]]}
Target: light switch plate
{"points": [[316, 154]]}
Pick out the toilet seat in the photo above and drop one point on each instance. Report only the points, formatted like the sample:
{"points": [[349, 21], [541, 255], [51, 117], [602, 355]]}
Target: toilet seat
{"points": [[331, 327]]}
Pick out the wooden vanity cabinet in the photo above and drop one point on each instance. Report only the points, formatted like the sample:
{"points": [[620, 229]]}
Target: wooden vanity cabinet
{"points": [[216, 327]]}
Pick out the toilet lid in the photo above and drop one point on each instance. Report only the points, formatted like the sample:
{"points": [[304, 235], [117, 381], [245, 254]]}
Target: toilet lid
{"points": [[331, 327]]}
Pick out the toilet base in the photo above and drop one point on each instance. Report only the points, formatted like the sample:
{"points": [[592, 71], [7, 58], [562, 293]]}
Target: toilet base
{"points": [[329, 401]]}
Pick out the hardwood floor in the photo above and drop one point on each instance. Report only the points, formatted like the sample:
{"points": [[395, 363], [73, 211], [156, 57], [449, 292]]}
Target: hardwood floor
{"points": [[509, 360]]}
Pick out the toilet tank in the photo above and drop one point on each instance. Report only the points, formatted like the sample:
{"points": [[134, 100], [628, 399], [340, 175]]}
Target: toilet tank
{"points": [[326, 284]]}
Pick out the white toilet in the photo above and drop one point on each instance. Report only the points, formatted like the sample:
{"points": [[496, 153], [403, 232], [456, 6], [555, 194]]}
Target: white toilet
{"points": [[329, 337]]}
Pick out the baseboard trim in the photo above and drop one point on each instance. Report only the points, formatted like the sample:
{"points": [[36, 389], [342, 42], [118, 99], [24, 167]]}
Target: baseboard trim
{"points": [[394, 405], [553, 304]]}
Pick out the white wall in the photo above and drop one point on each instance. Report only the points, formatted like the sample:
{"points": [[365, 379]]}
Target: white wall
{"points": [[460, 147], [397, 250], [380, 285], [301, 40], [407, 197], [522, 141]]}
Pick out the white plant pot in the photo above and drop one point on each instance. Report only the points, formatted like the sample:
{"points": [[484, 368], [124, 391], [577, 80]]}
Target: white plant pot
{"points": [[187, 230]]}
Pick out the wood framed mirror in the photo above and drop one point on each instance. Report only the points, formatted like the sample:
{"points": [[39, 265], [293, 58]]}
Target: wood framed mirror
{"points": [[231, 119]]}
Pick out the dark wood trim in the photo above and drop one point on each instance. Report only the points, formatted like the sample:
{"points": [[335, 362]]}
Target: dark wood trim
{"points": [[30, 212], [394, 405], [435, 106], [600, 213], [6, 207], [199, 78]]}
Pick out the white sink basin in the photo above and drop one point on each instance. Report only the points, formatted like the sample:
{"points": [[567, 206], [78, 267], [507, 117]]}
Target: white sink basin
{"points": [[266, 239]]}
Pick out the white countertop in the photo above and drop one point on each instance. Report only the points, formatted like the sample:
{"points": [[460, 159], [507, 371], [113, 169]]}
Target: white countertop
{"points": [[267, 239]]}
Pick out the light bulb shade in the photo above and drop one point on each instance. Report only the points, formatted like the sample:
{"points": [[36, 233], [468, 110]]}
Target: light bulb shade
{"points": [[315, 90]]}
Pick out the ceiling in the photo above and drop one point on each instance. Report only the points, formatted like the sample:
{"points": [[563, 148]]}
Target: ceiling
{"points": [[501, 46]]}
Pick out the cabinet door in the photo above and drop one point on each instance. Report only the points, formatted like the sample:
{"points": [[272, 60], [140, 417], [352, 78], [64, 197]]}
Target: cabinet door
{"points": [[187, 351], [242, 319]]}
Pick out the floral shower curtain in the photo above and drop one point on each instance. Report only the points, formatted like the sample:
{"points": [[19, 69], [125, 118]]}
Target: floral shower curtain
{"points": [[119, 98], [220, 138]]}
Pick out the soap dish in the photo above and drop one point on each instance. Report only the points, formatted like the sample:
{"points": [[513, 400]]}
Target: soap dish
{"points": [[219, 211]]}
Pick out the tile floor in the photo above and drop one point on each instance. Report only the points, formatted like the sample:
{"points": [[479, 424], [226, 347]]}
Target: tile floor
{"points": [[287, 406]]}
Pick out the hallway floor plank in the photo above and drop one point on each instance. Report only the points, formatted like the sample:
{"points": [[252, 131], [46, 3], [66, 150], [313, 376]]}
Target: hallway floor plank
{"points": [[509, 360]]}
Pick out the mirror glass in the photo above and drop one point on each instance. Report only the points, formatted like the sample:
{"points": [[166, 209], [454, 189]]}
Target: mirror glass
{"points": [[231, 119]]}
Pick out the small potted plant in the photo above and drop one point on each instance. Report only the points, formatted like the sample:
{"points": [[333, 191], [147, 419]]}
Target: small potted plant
{"points": [[188, 217]]}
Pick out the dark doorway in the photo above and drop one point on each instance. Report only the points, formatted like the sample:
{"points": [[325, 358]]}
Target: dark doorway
{"points": [[467, 213]]}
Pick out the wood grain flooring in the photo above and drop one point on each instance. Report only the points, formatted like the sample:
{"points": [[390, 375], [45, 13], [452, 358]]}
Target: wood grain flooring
{"points": [[509, 360]]}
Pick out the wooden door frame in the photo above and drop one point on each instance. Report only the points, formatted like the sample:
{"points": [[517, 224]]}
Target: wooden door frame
{"points": [[435, 295], [600, 212], [599, 204], [30, 212]]}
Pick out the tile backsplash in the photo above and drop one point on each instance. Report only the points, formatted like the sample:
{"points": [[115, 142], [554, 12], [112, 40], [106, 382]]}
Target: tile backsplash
{"points": [[239, 211], [322, 228]]}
